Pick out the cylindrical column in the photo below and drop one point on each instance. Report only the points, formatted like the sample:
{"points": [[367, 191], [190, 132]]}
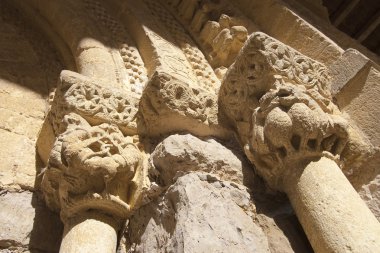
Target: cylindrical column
{"points": [[89, 233], [331, 212]]}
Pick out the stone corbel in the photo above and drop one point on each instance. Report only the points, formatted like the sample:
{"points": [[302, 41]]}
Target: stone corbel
{"points": [[279, 101], [95, 170]]}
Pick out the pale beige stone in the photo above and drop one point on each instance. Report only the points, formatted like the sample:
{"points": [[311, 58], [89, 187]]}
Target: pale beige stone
{"points": [[362, 91], [89, 233], [333, 215], [370, 192], [355, 86], [145, 70], [198, 213], [18, 164], [26, 223], [221, 39], [178, 154], [289, 124]]}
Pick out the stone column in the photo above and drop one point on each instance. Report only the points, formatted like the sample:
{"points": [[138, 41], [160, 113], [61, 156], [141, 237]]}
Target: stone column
{"points": [[331, 212], [280, 103], [90, 233], [94, 166]]}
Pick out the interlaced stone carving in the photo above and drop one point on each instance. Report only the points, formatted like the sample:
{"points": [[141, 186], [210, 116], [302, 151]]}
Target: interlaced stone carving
{"points": [[95, 103], [281, 105], [168, 104], [261, 64], [203, 72]]}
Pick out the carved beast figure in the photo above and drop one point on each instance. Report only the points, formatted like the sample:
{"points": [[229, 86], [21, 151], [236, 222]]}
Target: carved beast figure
{"points": [[289, 126], [91, 168], [280, 104]]}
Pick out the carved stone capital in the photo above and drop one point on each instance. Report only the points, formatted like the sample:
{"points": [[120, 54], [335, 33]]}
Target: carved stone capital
{"points": [[279, 101], [288, 128], [92, 164], [91, 167]]}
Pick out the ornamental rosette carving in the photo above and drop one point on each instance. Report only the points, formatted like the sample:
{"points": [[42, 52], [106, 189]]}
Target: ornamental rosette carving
{"points": [[280, 105], [95, 103]]}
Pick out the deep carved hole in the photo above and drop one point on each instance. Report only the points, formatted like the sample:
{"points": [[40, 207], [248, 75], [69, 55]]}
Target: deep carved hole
{"points": [[89, 96], [283, 93], [328, 142], [209, 103], [179, 93], [95, 146], [296, 141], [334, 148], [195, 91], [120, 108], [113, 150], [312, 144], [64, 161], [282, 152], [251, 78]]}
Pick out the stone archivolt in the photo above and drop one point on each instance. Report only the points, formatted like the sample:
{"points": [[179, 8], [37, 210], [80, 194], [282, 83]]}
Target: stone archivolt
{"points": [[220, 40]]}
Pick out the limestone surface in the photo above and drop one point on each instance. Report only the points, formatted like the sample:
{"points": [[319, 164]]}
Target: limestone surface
{"points": [[26, 223], [168, 115], [198, 213], [184, 153]]}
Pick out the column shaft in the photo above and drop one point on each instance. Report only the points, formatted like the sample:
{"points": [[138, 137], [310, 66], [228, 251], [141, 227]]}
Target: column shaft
{"points": [[89, 234], [331, 212]]}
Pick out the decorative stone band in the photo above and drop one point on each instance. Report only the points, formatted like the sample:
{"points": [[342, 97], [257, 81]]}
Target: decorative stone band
{"points": [[92, 165], [96, 104], [217, 26], [169, 105]]}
